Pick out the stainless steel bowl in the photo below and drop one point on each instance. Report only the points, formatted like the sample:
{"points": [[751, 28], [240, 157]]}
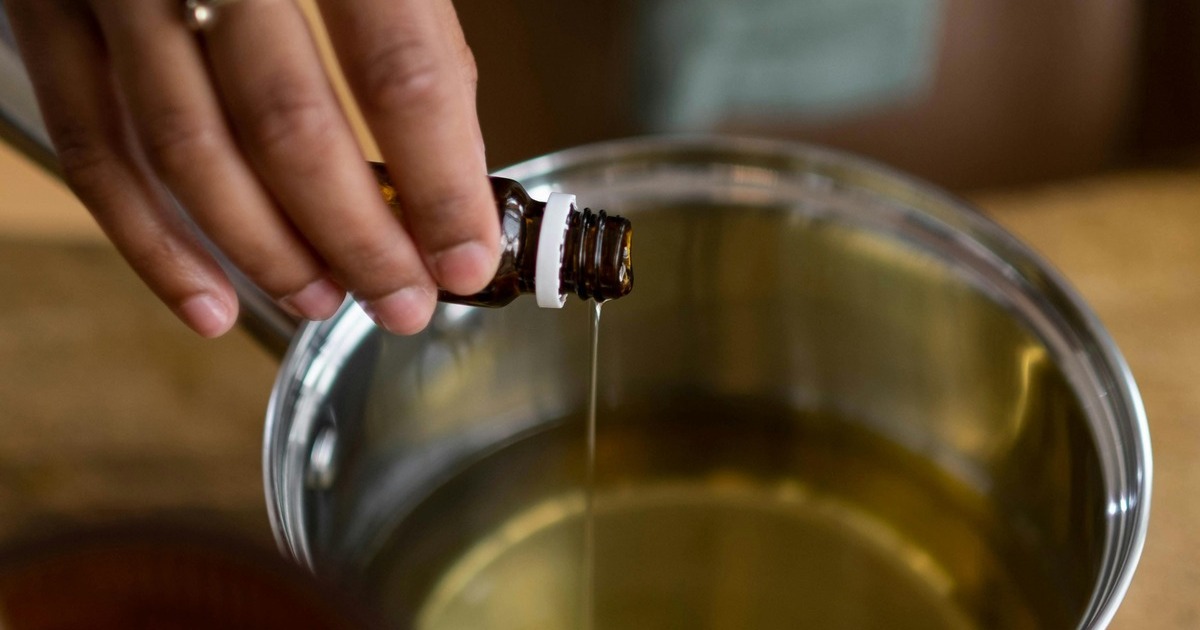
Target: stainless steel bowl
{"points": [[837, 397]]}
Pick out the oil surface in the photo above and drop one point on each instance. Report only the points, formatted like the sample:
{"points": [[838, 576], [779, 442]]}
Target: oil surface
{"points": [[711, 513], [785, 559]]}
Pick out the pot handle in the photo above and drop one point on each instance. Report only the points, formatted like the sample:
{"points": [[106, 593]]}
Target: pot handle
{"points": [[21, 126]]}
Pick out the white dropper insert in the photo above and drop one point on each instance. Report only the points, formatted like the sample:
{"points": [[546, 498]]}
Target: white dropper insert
{"points": [[547, 274]]}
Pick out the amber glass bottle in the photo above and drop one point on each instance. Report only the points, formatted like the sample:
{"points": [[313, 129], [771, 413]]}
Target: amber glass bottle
{"points": [[550, 249]]}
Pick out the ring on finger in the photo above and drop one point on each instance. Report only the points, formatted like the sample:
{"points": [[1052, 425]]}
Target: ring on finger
{"points": [[200, 15]]}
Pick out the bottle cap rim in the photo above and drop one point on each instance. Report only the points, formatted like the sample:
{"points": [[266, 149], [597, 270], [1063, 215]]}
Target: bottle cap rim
{"points": [[552, 238]]}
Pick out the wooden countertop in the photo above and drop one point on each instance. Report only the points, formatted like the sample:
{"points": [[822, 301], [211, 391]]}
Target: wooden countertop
{"points": [[108, 406]]}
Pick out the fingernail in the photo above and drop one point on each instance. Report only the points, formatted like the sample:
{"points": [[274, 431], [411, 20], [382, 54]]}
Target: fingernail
{"points": [[206, 315], [319, 299], [404, 312], [465, 268]]}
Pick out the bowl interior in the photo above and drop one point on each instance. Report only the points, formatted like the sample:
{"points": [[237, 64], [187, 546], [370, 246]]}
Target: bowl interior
{"points": [[821, 405]]}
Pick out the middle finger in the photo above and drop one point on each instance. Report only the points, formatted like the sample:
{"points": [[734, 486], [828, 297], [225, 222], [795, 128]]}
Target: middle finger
{"points": [[270, 77]]}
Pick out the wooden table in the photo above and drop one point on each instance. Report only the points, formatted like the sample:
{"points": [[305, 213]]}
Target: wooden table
{"points": [[108, 406]]}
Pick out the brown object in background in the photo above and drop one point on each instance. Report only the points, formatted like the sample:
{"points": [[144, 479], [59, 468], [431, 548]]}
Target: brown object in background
{"points": [[162, 576], [551, 74], [1023, 91], [1168, 119]]}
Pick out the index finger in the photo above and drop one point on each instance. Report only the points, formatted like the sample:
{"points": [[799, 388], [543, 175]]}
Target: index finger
{"points": [[406, 74]]}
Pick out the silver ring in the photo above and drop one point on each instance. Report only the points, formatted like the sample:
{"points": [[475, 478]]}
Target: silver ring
{"points": [[200, 15]]}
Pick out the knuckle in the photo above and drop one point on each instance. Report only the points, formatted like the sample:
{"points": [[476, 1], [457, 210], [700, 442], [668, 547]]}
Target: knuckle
{"points": [[87, 161], [448, 218], [398, 74], [267, 259], [277, 270], [176, 139], [153, 254], [366, 262], [370, 258], [291, 116], [264, 271]]}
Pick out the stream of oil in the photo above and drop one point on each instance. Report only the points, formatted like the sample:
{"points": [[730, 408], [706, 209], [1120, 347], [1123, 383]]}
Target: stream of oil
{"points": [[587, 607]]}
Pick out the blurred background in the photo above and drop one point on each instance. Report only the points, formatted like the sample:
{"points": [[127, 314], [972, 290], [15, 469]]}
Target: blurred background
{"points": [[965, 94], [969, 95], [1074, 124]]}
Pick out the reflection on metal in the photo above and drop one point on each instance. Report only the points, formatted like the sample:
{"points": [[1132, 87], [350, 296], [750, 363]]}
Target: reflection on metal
{"points": [[1032, 362], [321, 469], [20, 121]]}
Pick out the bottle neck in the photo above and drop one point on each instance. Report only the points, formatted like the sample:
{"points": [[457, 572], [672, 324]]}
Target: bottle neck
{"points": [[596, 256]]}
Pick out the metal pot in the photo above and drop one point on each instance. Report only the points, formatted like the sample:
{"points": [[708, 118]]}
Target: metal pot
{"points": [[838, 397]]}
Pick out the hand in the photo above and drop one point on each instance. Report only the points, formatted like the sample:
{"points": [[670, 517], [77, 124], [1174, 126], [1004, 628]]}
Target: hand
{"points": [[241, 126]]}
